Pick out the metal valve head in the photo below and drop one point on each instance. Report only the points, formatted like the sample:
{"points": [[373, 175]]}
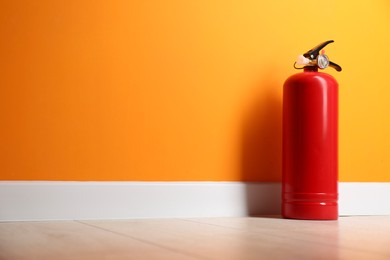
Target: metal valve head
{"points": [[313, 58]]}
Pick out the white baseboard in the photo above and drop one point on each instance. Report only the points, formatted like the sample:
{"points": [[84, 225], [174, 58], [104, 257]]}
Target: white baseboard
{"points": [[52, 200]]}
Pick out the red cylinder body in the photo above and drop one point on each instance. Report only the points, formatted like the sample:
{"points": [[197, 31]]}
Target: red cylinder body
{"points": [[310, 146]]}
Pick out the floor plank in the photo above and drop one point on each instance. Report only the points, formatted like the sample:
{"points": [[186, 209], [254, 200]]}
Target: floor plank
{"points": [[198, 238], [359, 235], [72, 240], [249, 238]]}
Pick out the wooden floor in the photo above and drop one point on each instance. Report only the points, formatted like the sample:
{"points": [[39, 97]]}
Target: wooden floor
{"points": [[205, 238]]}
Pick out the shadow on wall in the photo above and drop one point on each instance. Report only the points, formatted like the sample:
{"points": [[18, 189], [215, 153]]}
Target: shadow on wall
{"points": [[261, 161]]}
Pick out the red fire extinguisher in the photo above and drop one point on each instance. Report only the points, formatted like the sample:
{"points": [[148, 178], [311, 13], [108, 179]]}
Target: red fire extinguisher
{"points": [[310, 139]]}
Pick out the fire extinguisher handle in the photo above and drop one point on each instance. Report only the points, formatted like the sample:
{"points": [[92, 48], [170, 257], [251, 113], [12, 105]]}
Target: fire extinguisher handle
{"points": [[314, 59], [335, 66], [314, 52]]}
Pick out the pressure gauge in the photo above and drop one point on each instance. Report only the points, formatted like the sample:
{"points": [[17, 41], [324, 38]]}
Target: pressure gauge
{"points": [[322, 61]]}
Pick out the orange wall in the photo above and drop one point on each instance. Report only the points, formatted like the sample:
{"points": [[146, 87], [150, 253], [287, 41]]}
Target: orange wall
{"points": [[181, 90]]}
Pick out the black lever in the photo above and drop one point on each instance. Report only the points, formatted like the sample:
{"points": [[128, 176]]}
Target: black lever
{"points": [[314, 52]]}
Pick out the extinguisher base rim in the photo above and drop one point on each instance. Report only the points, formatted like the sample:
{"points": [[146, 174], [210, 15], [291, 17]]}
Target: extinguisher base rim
{"points": [[310, 211]]}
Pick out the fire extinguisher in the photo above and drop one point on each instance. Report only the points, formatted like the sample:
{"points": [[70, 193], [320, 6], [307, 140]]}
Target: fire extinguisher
{"points": [[310, 139]]}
